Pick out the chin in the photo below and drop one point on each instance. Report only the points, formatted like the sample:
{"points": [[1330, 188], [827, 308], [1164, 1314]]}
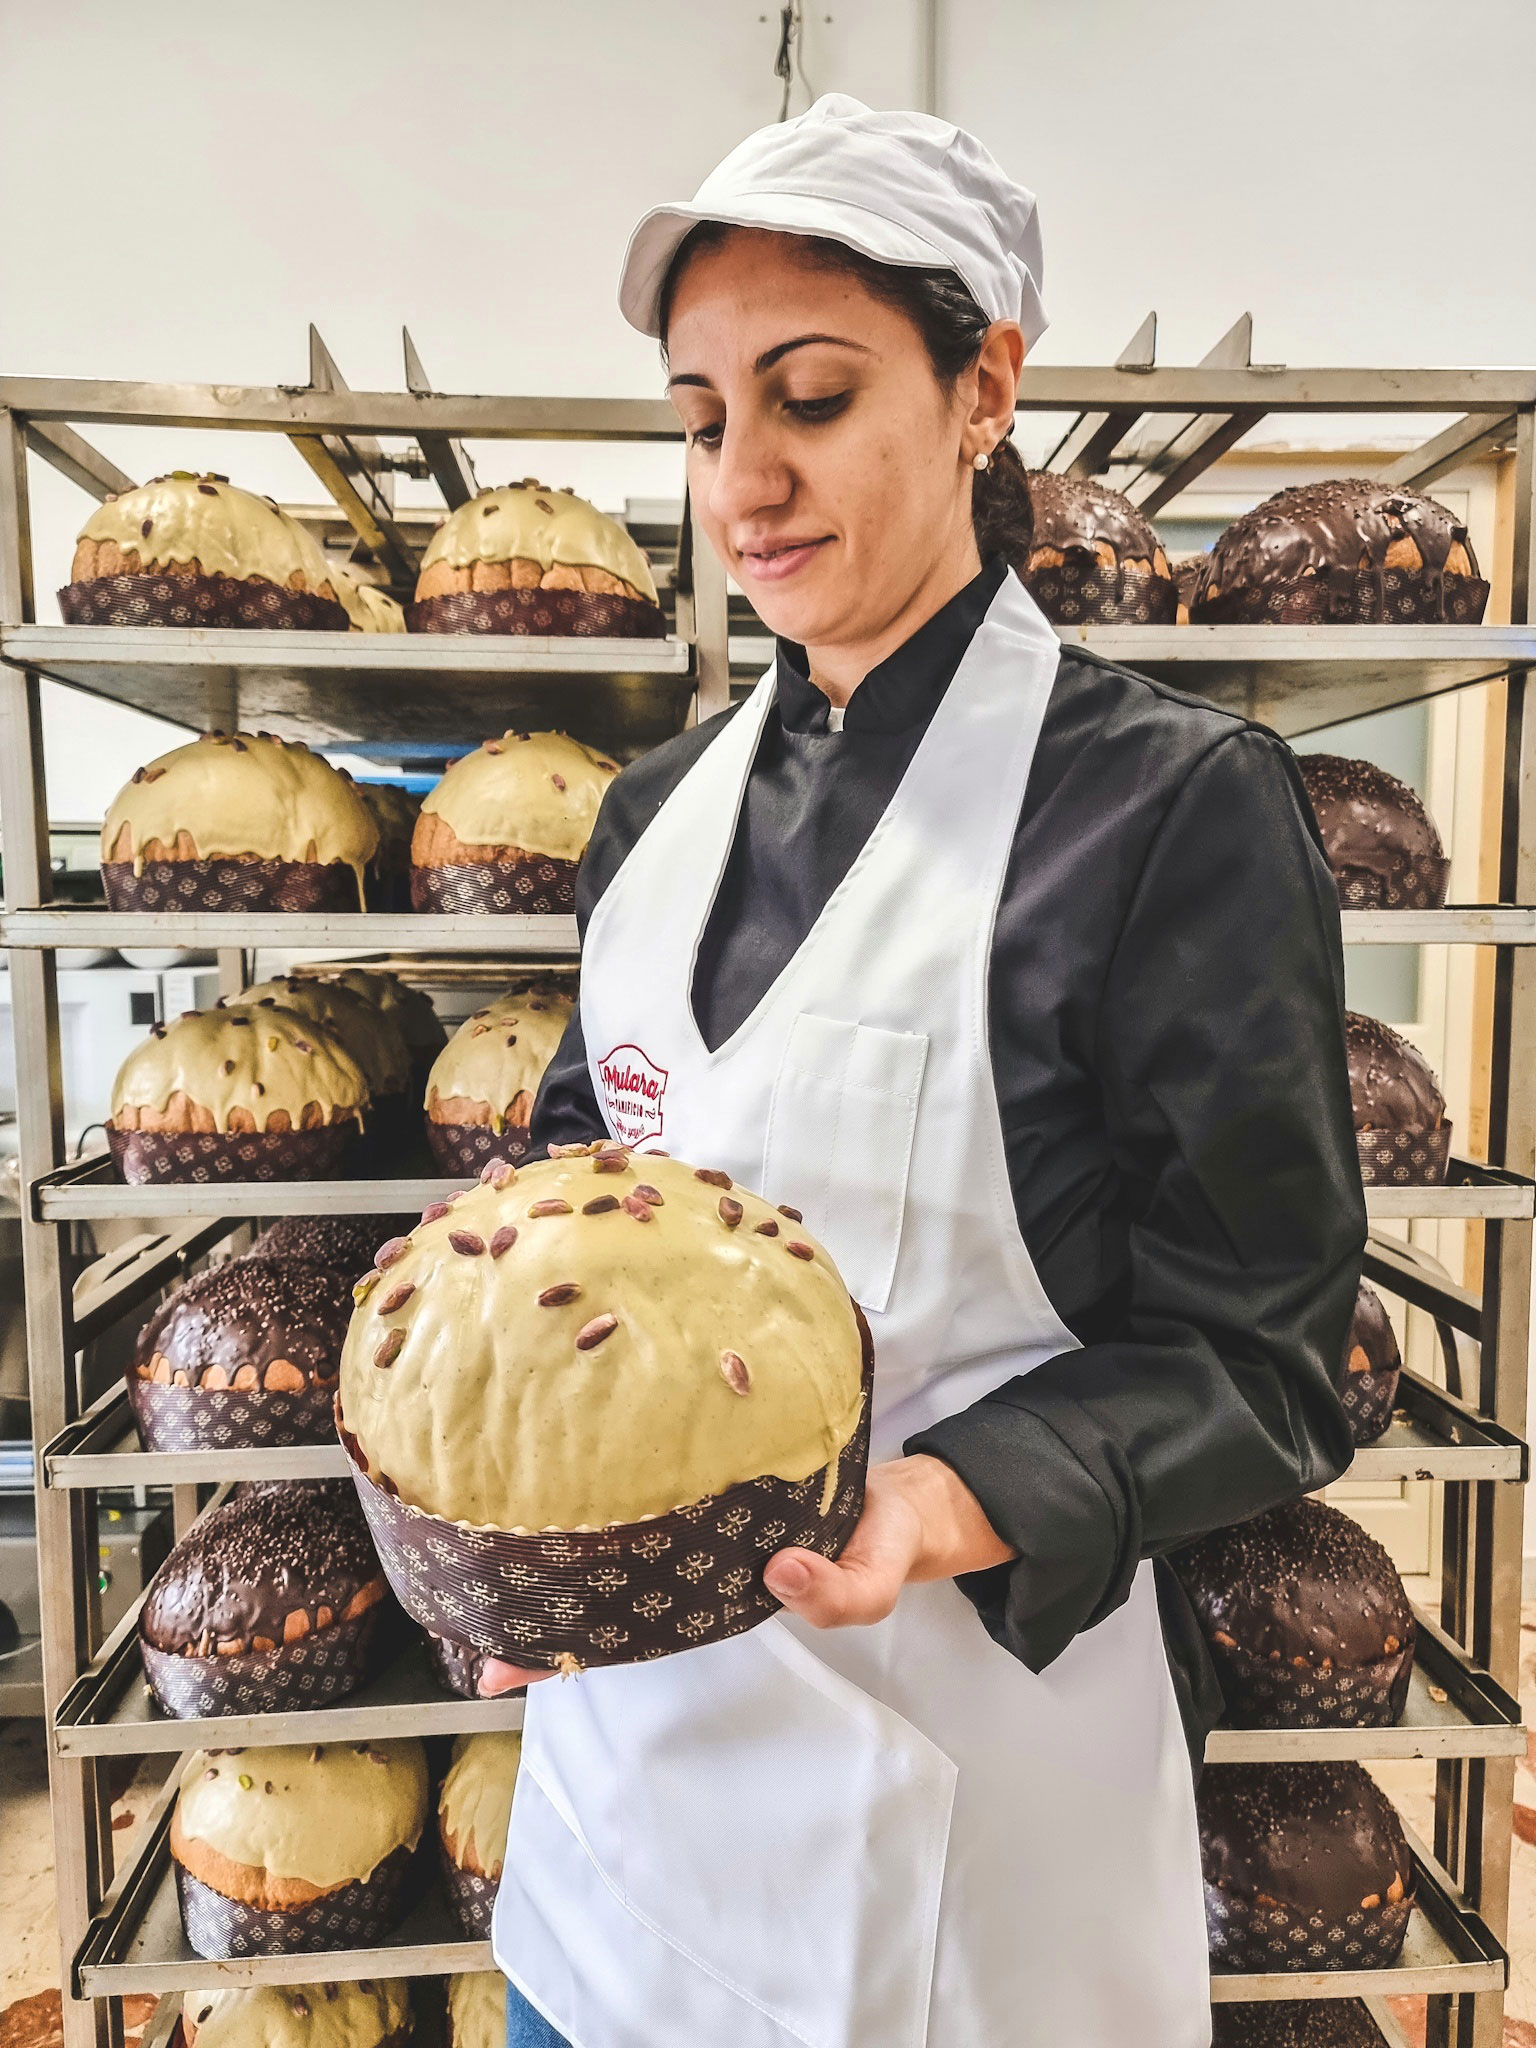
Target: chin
{"points": [[810, 611]]}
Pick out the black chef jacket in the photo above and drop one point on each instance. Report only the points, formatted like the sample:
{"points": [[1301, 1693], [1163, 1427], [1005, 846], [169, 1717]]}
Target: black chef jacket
{"points": [[1165, 1016]]}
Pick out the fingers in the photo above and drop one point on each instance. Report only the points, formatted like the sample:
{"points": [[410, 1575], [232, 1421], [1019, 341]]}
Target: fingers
{"points": [[497, 1678], [850, 1591]]}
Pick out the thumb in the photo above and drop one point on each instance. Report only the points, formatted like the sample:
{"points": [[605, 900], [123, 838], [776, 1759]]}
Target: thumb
{"points": [[857, 1588]]}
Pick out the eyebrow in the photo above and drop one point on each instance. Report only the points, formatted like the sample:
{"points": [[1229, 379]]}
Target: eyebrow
{"points": [[777, 353]]}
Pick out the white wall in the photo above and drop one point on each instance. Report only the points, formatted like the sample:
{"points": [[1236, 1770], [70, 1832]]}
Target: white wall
{"points": [[180, 197]]}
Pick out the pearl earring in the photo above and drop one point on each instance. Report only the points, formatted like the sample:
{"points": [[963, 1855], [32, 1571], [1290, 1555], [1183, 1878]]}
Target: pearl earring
{"points": [[981, 459]]}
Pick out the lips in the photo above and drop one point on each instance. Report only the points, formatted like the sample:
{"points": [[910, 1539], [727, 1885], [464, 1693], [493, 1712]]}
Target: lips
{"points": [[776, 560]]}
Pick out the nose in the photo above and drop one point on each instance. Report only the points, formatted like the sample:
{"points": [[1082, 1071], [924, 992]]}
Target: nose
{"points": [[750, 475]]}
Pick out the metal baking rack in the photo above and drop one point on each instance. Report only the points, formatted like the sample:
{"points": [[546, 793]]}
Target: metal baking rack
{"points": [[119, 1929]]}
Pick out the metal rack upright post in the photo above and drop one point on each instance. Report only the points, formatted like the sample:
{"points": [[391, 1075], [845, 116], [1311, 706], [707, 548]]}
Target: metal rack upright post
{"points": [[120, 1931]]}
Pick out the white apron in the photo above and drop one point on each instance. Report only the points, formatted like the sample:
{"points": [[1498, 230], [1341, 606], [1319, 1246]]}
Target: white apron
{"points": [[869, 1837]]}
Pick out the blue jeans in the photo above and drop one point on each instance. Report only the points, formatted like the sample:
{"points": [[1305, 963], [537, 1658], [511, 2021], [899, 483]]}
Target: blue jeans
{"points": [[528, 2028]]}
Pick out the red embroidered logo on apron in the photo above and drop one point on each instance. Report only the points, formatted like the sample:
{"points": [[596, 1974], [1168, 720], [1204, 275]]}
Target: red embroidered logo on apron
{"points": [[633, 1087]]}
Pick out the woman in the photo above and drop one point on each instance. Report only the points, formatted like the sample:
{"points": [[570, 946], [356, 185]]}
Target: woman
{"points": [[1021, 975]]}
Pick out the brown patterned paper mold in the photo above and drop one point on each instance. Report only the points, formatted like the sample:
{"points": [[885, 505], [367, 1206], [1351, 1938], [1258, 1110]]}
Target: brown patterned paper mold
{"points": [[297, 1848], [237, 821], [1380, 841], [473, 1813], [269, 1602], [189, 550], [528, 559], [372, 2012], [236, 1095], [556, 613], [481, 1088], [1306, 1868], [505, 829], [1372, 1365], [1294, 2023], [244, 1355], [1401, 1129], [1305, 1618], [1344, 552], [669, 1383], [1093, 558]]}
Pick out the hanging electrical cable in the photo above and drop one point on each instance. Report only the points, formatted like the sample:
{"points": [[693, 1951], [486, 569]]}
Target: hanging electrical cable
{"points": [[788, 62]]}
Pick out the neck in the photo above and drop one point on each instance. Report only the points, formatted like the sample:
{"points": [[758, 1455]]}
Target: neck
{"points": [[838, 667]]}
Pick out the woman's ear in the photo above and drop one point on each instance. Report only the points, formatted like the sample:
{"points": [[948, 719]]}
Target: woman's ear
{"points": [[997, 384]]}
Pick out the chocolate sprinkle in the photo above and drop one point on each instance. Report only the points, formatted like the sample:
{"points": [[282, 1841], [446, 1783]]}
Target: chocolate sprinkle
{"points": [[264, 1555]]}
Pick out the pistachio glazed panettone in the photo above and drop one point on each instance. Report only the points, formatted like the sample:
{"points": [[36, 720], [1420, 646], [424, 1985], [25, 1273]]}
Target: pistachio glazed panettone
{"points": [[586, 1400], [481, 1088], [474, 1811], [505, 829], [372, 1037], [528, 559], [297, 1847], [373, 2012], [189, 550], [239, 821], [235, 1095]]}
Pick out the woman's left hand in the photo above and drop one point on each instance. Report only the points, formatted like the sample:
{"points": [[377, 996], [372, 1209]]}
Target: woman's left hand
{"points": [[920, 1521]]}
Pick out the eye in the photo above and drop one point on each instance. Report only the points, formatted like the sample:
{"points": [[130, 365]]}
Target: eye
{"points": [[707, 436], [814, 410]]}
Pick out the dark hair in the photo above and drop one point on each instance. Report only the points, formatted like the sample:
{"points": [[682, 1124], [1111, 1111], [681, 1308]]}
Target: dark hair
{"points": [[951, 327]]}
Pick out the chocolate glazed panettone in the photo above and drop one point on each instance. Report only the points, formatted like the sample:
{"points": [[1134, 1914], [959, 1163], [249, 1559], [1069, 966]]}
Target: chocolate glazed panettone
{"points": [[1093, 558], [1306, 1867], [657, 1380], [346, 1243], [244, 1355], [1295, 2023], [1372, 1365], [481, 1088], [369, 2012], [268, 1602], [1401, 1128], [297, 1848], [241, 821], [189, 550], [236, 1095], [527, 559], [505, 829], [1344, 552], [1380, 841], [474, 1810], [1305, 1618]]}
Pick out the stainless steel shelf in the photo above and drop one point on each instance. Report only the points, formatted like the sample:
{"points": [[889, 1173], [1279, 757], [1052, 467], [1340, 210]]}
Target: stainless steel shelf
{"points": [[1453, 1709], [309, 931], [1469, 924], [136, 1944], [1297, 678], [86, 1188], [112, 1712], [1449, 1948], [102, 1449], [443, 691], [1432, 1436]]}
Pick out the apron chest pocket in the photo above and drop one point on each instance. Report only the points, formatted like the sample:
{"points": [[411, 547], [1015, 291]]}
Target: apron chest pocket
{"points": [[839, 1143]]}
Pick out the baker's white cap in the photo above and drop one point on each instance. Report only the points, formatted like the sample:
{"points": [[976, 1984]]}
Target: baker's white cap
{"points": [[901, 188]]}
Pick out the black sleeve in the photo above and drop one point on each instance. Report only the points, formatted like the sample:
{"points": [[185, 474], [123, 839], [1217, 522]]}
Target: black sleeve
{"points": [[565, 1111], [1219, 1058]]}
